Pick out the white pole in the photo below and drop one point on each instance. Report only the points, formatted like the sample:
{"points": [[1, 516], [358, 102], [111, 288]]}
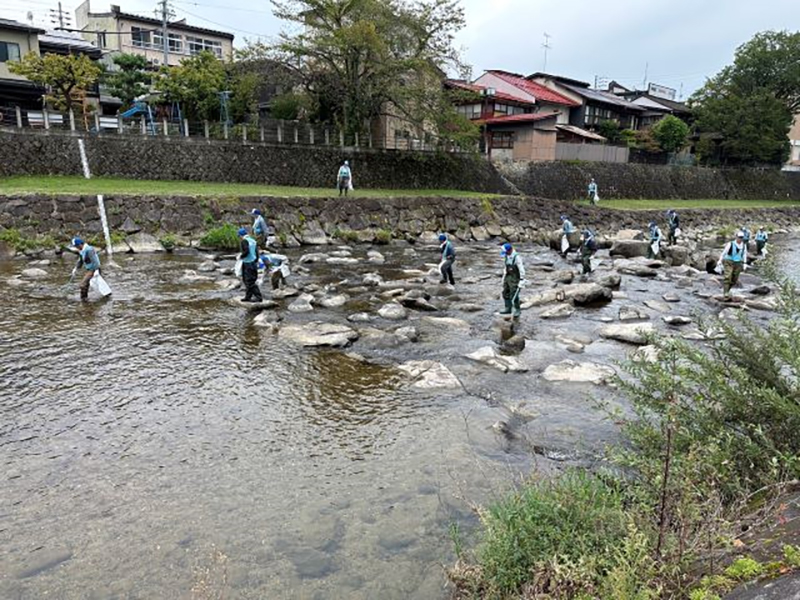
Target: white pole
{"points": [[101, 206]]}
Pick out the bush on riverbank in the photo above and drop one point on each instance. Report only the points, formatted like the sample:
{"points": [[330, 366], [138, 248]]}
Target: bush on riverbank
{"points": [[712, 437], [224, 237]]}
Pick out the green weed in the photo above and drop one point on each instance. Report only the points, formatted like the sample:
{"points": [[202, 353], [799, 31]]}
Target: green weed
{"points": [[224, 237]]}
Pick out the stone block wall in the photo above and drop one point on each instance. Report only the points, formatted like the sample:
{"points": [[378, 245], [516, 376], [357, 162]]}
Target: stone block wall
{"points": [[568, 180], [136, 157], [311, 220]]}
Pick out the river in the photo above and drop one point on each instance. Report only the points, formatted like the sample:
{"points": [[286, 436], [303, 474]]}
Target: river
{"points": [[161, 445]]}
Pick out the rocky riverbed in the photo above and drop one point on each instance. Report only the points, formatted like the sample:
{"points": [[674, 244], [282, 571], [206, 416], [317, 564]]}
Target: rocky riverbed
{"points": [[171, 439]]}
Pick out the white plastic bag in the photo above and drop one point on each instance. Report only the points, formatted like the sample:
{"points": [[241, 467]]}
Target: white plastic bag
{"points": [[285, 270], [564, 244], [596, 198], [655, 248], [271, 239], [350, 184], [99, 285], [678, 232], [237, 268], [718, 268]]}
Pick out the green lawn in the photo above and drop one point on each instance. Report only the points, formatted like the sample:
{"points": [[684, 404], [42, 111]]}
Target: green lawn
{"points": [[120, 187], [677, 204]]}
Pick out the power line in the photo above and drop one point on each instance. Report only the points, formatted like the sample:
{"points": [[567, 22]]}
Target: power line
{"points": [[252, 10], [222, 25]]}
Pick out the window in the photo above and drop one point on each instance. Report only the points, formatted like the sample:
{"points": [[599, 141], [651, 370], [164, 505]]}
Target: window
{"points": [[503, 140], [501, 109], [9, 52], [470, 111], [197, 45], [101, 40], [140, 37], [175, 41]]}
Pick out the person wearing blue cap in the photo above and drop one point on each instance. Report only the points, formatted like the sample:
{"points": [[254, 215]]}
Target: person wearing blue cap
{"points": [[568, 229], [674, 226], [260, 230], [89, 260], [513, 278], [654, 248], [588, 248], [249, 258], [448, 258], [344, 179]]}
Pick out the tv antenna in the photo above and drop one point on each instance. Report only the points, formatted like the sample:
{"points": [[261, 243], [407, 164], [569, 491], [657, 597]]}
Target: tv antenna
{"points": [[546, 45]]}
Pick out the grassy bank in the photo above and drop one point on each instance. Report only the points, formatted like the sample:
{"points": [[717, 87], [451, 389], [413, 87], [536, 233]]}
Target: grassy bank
{"points": [[121, 187], [645, 204], [709, 445]]}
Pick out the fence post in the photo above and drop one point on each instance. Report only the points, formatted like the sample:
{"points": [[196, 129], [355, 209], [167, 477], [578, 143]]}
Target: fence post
{"points": [[311, 134], [262, 134], [186, 127], [46, 117], [97, 122], [225, 130], [356, 139], [18, 110], [244, 134], [120, 124], [296, 136], [166, 126], [341, 137], [71, 120], [280, 132], [143, 125], [205, 129], [327, 137]]}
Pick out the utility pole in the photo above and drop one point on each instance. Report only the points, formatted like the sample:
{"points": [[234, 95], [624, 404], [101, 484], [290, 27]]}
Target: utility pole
{"points": [[546, 45], [165, 14], [644, 82], [59, 16]]}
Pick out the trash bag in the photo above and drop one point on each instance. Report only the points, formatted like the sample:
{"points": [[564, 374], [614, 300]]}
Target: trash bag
{"points": [[271, 240], [596, 198], [99, 285], [285, 270], [350, 183], [718, 269], [237, 268], [564, 243], [655, 248], [678, 232]]}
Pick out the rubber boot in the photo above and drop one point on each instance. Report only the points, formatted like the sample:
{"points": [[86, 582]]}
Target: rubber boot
{"points": [[507, 309]]}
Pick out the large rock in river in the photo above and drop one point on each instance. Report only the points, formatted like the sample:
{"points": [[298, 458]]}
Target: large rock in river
{"points": [[574, 372], [143, 242], [629, 248], [489, 356], [318, 334], [430, 375], [632, 333]]}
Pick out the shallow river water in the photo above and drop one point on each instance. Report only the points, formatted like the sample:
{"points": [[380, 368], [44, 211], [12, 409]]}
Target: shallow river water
{"points": [[161, 445]]}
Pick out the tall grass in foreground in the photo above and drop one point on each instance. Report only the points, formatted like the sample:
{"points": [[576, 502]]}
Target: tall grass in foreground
{"points": [[714, 435]]}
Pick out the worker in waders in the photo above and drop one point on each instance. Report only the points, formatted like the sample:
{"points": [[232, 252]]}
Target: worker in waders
{"points": [[448, 258], [674, 222], [588, 248], [591, 192], [260, 230], [513, 280], [656, 237], [732, 262], [249, 258], [344, 179], [567, 228], [761, 241], [89, 260]]}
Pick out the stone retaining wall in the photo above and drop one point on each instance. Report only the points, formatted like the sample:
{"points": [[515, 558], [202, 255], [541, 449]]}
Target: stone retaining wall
{"points": [[568, 180], [316, 220], [162, 158]]}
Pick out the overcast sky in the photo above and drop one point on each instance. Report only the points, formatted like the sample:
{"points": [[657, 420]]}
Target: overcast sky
{"points": [[675, 41]]}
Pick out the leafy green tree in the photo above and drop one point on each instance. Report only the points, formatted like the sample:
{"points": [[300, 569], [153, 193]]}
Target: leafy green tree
{"points": [[609, 130], [131, 80], [287, 106], [243, 105], [195, 84], [67, 77], [355, 57], [749, 105], [671, 133]]}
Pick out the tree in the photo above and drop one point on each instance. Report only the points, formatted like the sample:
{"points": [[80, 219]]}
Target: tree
{"points": [[131, 80], [671, 133], [609, 130], [195, 84], [354, 57], [67, 77], [749, 105]]}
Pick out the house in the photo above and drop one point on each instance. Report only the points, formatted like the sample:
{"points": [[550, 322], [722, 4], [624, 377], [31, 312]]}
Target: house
{"points": [[591, 107], [655, 107], [17, 40], [794, 142], [119, 32], [518, 119]]}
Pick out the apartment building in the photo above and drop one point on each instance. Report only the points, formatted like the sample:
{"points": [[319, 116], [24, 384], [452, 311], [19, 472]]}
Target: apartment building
{"points": [[120, 32]]}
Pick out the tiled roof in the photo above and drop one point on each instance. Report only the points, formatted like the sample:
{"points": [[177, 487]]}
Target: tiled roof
{"points": [[473, 87], [604, 97], [10, 24], [521, 118], [537, 90], [584, 133]]}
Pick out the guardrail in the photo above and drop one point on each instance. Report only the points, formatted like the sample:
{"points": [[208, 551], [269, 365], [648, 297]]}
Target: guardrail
{"points": [[267, 131]]}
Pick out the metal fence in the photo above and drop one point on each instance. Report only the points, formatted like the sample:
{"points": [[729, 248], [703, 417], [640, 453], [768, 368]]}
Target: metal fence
{"points": [[267, 131], [591, 152]]}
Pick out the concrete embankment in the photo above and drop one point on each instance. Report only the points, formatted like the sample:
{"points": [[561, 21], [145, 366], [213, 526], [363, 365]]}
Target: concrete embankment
{"points": [[319, 220]]}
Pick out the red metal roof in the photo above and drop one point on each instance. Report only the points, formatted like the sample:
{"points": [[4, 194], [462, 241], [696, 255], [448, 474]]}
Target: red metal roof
{"points": [[472, 87], [523, 118], [537, 90]]}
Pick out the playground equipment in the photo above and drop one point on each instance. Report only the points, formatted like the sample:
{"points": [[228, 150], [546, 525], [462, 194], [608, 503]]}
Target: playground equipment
{"points": [[142, 108]]}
